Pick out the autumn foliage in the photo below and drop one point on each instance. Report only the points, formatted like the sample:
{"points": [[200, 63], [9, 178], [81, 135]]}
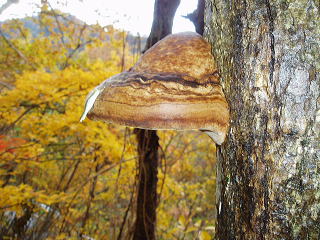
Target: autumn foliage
{"points": [[61, 179]]}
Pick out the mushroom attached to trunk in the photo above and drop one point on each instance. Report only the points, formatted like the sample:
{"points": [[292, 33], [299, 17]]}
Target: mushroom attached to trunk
{"points": [[174, 85]]}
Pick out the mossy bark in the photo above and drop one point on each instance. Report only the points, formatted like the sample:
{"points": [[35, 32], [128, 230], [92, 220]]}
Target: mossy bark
{"points": [[269, 168]]}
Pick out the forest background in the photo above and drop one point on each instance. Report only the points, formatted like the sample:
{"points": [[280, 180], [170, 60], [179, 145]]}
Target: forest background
{"points": [[61, 179]]}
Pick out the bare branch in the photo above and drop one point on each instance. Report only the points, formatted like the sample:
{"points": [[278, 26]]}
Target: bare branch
{"points": [[7, 85], [20, 29], [78, 47], [125, 215], [7, 4], [58, 23], [6, 128], [11, 45]]}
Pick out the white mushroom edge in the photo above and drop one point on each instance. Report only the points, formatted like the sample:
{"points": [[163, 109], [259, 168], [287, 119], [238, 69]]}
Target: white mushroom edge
{"points": [[90, 100]]}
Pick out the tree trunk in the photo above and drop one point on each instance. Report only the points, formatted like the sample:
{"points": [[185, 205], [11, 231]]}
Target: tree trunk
{"points": [[197, 17], [269, 168], [147, 185], [164, 11]]}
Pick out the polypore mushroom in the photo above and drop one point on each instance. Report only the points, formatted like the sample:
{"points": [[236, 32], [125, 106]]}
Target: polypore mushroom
{"points": [[174, 85]]}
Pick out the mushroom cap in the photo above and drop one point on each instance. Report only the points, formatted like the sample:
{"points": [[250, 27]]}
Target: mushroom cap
{"points": [[174, 85], [184, 53]]}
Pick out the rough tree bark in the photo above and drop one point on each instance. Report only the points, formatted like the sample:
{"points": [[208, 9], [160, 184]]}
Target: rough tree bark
{"points": [[147, 199], [269, 168]]}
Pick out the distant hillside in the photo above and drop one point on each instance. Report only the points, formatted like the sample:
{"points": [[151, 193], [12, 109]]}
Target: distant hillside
{"points": [[34, 25]]}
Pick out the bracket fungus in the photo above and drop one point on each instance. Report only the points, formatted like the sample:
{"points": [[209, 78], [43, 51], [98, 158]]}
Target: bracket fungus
{"points": [[174, 85]]}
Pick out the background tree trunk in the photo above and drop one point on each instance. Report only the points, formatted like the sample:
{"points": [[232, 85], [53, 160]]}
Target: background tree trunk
{"points": [[163, 14], [147, 185], [164, 11], [269, 168], [197, 17]]}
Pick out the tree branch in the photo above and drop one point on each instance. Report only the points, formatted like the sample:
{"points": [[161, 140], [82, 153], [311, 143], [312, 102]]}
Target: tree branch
{"points": [[197, 17], [7, 4], [13, 47], [79, 46], [7, 85], [57, 22]]}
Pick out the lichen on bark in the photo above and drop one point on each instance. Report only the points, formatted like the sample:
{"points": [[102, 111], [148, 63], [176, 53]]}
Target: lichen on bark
{"points": [[269, 168]]}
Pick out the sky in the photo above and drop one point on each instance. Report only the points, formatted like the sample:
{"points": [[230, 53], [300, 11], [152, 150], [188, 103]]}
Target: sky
{"points": [[131, 15]]}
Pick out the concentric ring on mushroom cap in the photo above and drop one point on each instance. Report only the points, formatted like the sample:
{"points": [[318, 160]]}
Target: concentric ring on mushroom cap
{"points": [[174, 85]]}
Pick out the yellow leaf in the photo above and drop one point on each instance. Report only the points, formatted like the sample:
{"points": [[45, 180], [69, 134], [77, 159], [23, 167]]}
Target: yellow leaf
{"points": [[182, 220], [204, 236]]}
